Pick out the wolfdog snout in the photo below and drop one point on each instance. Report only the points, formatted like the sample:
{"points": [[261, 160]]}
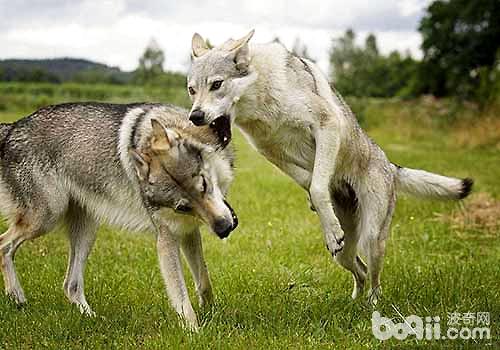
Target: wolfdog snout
{"points": [[197, 117], [223, 226]]}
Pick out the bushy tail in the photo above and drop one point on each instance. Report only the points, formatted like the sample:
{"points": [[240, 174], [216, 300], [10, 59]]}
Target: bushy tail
{"points": [[423, 184]]}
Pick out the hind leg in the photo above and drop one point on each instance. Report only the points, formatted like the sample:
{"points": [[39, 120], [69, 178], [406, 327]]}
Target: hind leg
{"points": [[375, 262], [350, 261], [24, 228], [347, 258], [376, 215], [82, 233]]}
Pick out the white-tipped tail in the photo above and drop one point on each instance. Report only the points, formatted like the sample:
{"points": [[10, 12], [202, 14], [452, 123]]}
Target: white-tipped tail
{"points": [[424, 184]]}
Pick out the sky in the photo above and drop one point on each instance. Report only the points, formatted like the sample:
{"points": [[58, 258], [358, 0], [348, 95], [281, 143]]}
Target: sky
{"points": [[116, 32]]}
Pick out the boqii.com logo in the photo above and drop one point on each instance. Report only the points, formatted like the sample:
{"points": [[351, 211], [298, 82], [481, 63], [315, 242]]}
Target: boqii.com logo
{"points": [[469, 325]]}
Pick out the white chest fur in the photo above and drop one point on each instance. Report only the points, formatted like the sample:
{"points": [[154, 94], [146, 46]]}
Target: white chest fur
{"points": [[281, 140]]}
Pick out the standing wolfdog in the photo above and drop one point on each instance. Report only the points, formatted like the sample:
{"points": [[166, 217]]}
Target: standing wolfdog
{"points": [[285, 107], [139, 166]]}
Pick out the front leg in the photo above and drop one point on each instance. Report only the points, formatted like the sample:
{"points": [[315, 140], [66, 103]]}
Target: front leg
{"points": [[193, 251], [327, 147], [300, 175], [171, 270]]}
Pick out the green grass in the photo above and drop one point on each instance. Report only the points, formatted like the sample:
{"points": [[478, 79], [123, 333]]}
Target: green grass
{"points": [[24, 97], [275, 284]]}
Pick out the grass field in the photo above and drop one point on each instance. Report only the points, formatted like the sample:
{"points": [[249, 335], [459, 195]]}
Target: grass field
{"points": [[275, 284]]}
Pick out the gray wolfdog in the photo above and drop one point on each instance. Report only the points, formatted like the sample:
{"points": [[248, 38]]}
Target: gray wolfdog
{"points": [[287, 110], [139, 166]]}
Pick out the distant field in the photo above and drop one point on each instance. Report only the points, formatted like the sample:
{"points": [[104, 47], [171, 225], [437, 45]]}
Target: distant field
{"points": [[23, 97], [276, 286]]}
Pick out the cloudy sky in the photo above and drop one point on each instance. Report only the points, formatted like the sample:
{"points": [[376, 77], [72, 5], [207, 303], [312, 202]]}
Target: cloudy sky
{"points": [[116, 32]]}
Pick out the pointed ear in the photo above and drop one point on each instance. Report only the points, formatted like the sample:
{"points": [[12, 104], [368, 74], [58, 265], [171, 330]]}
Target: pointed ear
{"points": [[198, 46], [239, 48], [162, 139], [141, 164]]}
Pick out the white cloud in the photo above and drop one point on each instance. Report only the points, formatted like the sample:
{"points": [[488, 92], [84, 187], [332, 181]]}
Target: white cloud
{"points": [[115, 32], [411, 7]]}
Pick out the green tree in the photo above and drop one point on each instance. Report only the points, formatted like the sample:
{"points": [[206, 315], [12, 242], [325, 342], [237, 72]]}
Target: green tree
{"points": [[344, 57], [150, 64], [363, 71], [371, 45], [461, 40]]}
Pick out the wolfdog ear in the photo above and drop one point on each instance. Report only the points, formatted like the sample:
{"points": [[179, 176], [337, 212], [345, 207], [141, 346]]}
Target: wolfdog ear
{"points": [[162, 139], [198, 46], [141, 164], [239, 48]]}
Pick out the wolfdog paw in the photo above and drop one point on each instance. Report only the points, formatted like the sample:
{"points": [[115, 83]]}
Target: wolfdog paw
{"points": [[335, 245], [16, 295], [374, 295], [191, 325], [86, 310], [206, 298], [357, 290]]}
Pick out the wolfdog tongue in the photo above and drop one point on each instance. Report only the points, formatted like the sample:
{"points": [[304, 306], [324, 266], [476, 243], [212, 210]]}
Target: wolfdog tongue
{"points": [[222, 127]]}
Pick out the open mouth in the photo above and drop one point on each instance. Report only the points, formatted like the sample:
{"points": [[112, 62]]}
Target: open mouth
{"points": [[226, 230], [233, 215], [222, 128]]}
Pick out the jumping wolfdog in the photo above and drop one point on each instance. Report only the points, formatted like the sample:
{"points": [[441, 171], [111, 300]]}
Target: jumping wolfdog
{"points": [[287, 110], [139, 166]]}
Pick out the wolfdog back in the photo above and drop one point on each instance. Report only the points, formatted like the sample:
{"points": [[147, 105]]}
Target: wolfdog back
{"points": [[62, 153]]}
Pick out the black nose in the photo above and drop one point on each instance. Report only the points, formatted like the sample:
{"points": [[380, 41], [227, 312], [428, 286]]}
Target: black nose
{"points": [[223, 227], [197, 117]]}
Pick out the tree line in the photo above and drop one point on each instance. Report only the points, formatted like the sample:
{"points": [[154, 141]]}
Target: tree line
{"points": [[461, 57], [460, 45]]}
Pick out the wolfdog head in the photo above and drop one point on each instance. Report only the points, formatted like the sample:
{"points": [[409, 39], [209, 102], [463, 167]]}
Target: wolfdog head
{"points": [[176, 171], [217, 79]]}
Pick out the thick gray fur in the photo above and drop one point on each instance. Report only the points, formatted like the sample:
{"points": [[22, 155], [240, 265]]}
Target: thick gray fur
{"points": [[136, 166], [288, 111]]}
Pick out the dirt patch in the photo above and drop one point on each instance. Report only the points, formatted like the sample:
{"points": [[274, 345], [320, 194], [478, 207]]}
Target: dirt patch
{"points": [[479, 212]]}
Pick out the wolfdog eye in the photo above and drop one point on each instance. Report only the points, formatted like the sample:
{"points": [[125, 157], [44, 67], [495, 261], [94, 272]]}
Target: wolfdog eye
{"points": [[216, 85], [191, 91]]}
